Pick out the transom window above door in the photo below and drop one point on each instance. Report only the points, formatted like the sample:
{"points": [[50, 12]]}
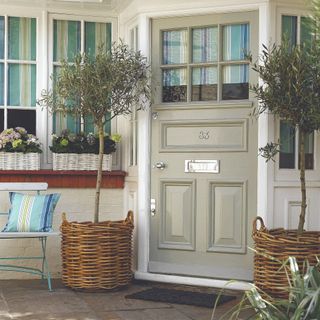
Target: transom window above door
{"points": [[205, 63]]}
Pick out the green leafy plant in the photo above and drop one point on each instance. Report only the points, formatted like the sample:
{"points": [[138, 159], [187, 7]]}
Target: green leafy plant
{"points": [[100, 88], [290, 90], [303, 302], [68, 142], [19, 140]]}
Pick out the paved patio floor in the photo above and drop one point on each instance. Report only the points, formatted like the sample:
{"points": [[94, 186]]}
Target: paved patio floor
{"points": [[30, 300]]}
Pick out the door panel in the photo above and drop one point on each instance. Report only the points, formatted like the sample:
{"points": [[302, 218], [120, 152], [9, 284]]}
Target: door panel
{"points": [[178, 215], [227, 218], [202, 223], [203, 136]]}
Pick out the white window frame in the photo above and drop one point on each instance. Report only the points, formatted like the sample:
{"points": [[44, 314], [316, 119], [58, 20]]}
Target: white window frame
{"points": [[40, 62], [133, 133], [283, 174], [82, 19]]}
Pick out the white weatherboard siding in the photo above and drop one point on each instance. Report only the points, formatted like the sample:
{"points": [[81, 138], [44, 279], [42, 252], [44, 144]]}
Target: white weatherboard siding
{"points": [[78, 205]]}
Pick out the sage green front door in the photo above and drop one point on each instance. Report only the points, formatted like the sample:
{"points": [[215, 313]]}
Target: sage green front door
{"points": [[204, 146]]}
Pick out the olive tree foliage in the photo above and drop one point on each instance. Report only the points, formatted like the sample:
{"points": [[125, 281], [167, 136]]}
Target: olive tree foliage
{"points": [[100, 87], [290, 90]]}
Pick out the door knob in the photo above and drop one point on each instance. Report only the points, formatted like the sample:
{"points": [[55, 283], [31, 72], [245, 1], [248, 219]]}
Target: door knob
{"points": [[159, 165]]}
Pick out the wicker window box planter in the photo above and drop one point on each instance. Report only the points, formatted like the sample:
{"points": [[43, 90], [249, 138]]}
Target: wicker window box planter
{"points": [[83, 161], [19, 161]]}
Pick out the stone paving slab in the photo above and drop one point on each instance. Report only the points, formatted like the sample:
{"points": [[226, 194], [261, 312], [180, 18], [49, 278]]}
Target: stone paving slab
{"points": [[30, 300]]}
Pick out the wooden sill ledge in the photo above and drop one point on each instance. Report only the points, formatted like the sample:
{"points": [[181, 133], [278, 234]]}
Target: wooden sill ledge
{"points": [[65, 179]]}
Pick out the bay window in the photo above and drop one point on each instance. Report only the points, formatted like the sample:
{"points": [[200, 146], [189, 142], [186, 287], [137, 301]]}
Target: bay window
{"points": [[296, 30]]}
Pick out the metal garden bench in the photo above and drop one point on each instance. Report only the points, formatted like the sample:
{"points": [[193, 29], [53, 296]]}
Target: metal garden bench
{"points": [[44, 272]]}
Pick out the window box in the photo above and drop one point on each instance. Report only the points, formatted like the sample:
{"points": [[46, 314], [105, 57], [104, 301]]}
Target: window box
{"points": [[19, 161], [82, 161]]}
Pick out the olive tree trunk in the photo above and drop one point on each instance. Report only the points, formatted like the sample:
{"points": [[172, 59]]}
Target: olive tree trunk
{"points": [[302, 180], [99, 173]]}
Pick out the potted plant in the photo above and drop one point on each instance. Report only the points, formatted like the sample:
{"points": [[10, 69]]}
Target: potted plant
{"points": [[80, 151], [19, 150], [98, 254], [303, 301], [290, 90]]}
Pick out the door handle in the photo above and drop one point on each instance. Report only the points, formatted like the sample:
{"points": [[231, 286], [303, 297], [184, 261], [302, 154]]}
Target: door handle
{"points": [[159, 165], [153, 206]]}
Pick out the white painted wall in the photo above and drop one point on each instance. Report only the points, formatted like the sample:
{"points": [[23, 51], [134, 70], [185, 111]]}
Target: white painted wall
{"points": [[78, 205]]}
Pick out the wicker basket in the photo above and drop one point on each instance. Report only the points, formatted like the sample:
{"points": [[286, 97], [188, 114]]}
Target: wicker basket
{"points": [[97, 255], [280, 244], [19, 161], [82, 161]]}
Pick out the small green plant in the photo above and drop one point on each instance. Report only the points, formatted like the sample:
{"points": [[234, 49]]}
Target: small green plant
{"points": [[303, 301]]}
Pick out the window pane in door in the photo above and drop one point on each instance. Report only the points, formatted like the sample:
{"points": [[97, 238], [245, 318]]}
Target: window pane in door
{"points": [[22, 118], [97, 34], [204, 84], [174, 87], [235, 41], [205, 44], [66, 39], [287, 146], [174, 45], [289, 29], [235, 82], [2, 37], [22, 44], [22, 85]]}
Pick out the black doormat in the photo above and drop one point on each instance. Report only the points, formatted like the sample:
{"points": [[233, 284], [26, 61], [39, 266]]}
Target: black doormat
{"points": [[181, 297]]}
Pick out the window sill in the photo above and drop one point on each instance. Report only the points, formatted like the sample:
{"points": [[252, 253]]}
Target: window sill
{"points": [[66, 179]]}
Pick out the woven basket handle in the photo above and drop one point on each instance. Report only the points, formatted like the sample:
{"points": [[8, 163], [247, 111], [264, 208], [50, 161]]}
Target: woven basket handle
{"points": [[255, 225], [64, 217], [129, 218]]}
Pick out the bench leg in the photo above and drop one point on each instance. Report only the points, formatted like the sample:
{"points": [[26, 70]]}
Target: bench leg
{"points": [[45, 268]]}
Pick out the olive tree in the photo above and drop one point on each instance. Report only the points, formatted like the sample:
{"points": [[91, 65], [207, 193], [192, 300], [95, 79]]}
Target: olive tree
{"points": [[290, 89], [100, 87]]}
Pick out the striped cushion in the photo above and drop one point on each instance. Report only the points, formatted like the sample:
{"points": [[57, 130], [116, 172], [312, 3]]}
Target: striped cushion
{"points": [[31, 213]]}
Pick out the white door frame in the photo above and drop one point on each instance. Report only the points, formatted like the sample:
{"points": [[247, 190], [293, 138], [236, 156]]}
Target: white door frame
{"points": [[266, 14]]}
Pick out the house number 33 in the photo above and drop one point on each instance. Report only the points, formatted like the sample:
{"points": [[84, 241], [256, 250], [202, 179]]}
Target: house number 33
{"points": [[204, 135]]}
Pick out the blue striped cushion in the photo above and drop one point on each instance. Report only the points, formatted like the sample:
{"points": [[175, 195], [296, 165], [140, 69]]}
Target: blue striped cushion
{"points": [[31, 213]]}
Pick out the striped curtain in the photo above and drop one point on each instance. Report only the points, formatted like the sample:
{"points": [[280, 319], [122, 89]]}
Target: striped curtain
{"points": [[67, 37], [174, 77], [22, 77], [235, 41], [1, 64], [289, 29], [97, 34], [202, 76], [175, 46], [236, 74], [205, 44]]}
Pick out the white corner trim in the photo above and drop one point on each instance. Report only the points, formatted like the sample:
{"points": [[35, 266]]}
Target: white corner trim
{"points": [[214, 283]]}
